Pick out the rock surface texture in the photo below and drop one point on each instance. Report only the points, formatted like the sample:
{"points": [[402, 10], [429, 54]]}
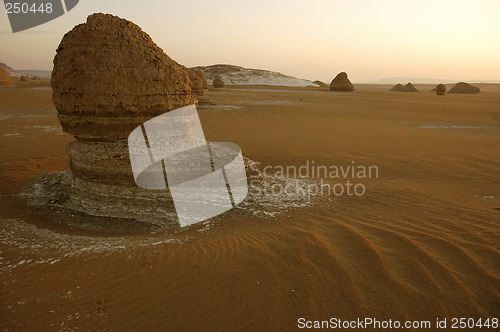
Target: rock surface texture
{"points": [[463, 87], [341, 83], [5, 78]]}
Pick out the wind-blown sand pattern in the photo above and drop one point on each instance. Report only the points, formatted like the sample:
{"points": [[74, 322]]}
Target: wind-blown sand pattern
{"points": [[422, 243]]}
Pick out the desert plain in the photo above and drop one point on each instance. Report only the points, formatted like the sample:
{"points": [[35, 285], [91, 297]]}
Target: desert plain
{"points": [[421, 243]]}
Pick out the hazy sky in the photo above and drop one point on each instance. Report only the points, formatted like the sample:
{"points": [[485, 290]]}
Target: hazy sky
{"points": [[370, 40]]}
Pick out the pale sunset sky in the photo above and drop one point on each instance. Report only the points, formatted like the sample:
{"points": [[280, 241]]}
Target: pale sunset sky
{"points": [[370, 40]]}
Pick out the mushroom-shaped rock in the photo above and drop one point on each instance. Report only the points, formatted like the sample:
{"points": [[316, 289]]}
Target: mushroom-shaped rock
{"points": [[218, 82], [109, 77], [440, 89], [341, 83], [5, 78], [321, 84], [463, 87]]}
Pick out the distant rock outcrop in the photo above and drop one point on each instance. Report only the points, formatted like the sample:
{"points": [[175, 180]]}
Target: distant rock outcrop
{"points": [[202, 76], [341, 83], [197, 89], [218, 82], [440, 89], [5, 78], [9, 70], [397, 87], [321, 84], [24, 78], [407, 88], [197, 83], [237, 75], [463, 87]]}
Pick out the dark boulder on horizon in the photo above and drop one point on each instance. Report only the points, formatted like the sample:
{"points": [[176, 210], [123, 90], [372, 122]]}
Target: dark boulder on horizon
{"points": [[440, 89], [341, 83]]}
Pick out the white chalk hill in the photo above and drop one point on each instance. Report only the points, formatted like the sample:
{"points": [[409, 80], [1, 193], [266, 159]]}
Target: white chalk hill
{"points": [[236, 75]]}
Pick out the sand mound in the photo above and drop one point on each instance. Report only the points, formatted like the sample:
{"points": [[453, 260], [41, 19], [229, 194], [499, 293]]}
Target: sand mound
{"points": [[341, 83], [463, 87], [440, 89], [218, 82], [5, 78], [407, 88], [321, 84], [397, 87]]}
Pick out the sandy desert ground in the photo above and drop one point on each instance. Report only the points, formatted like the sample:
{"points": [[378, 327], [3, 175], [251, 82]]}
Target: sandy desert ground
{"points": [[422, 243]]}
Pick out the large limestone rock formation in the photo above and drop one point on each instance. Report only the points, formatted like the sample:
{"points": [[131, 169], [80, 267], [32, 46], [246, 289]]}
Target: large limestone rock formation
{"points": [[5, 78], [407, 88], [108, 78], [218, 82], [341, 83], [440, 89], [463, 87]]}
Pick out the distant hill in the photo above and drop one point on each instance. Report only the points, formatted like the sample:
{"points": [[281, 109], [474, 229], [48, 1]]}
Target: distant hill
{"points": [[9, 70], [40, 73], [425, 80], [236, 75], [18, 73]]}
